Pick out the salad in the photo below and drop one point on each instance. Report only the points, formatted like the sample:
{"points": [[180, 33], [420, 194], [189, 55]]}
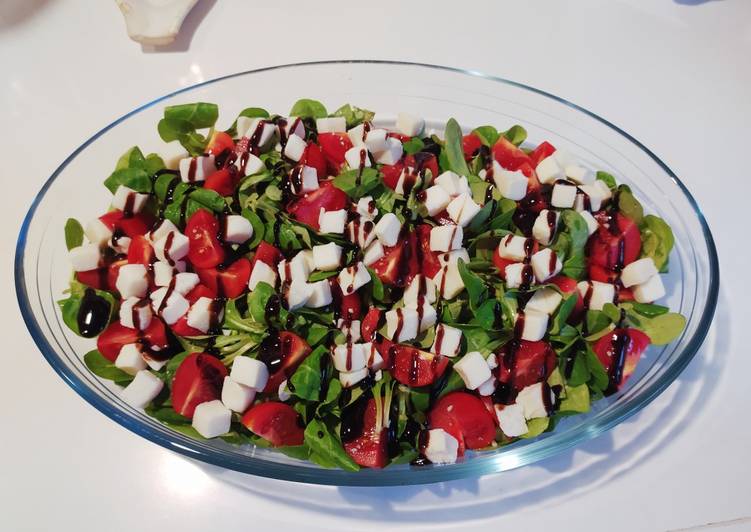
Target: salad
{"points": [[359, 293]]}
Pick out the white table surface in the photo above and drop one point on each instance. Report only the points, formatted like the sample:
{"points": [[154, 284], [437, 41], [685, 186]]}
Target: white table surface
{"points": [[675, 74]]}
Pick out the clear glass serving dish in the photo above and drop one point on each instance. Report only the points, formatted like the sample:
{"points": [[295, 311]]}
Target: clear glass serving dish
{"points": [[437, 93]]}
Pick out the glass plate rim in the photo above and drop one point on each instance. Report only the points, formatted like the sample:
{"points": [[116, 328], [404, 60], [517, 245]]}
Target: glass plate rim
{"points": [[366, 478]]}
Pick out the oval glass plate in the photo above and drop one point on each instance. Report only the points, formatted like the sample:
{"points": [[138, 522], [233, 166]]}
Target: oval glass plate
{"points": [[437, 93]]}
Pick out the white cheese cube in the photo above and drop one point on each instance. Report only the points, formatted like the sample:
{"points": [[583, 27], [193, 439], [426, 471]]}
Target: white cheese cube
{"points": [[564, 158], [563, 196], [492, 361], [130, 359], [446, 237], [349, 357], [511, 185], [357, 157], [579, 174], [517, 273], [298, 294], [546, 264], [374, 253], [321, 295], [452, 257], [409, 124], [533, 402], [127, 199], [249, 164], [173, 308], [403, 321], [97, 232], [171, 247], [420, 290], [548, 170], [294, 126], [638, 272], [366, 208], [212, 419], [294, 148], [605, 192], [487, 388], [250, 372], [357, 134], [350, 378], [85, 258], [307, 255], [592, 224], [392, 154], [473, 369], [435, 199], [513, 247], [332, 221], [142, 389], [135, 313], [164, 228], [352, 278], [426, 317], [545, 226], [295, 269], [596, 294], [452, 183], [120, 244], [589, 198], [250, 127], [376, 139], [447, 341], [350, 328], [327, 257], [511, 420], [184, 282], [649, 291], [237, 229], [308, 179], [194, 169], [387, 229], [205, 314], [163, 271], [332, 124], [441, 447], [375, 360], [463, 209], [283, 391], [361, 232], [448, 281], [132, 280], [236, 396], [535, 325], [262, 273], [544, 300]]}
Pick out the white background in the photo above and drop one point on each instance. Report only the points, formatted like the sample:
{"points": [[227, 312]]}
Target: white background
{"points": [[674, 73]]}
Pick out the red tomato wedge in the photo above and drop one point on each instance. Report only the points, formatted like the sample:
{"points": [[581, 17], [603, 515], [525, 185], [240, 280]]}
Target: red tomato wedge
{"points": [[115, 336], [511, 157], [313, 157], [333, 147], [541, 152], [465, 417], [522, 363], [414, 367], [470, 145], [307, 208], [370, 324], [103, 278], [611, 249], [629, 343], [138, 224], [275, 422], [350, 307], [400, 263], [223, 181], [282, 355], [431, 263], [199, 378], [202, 230], [267, 254], [370, 448], [140, 251], [230, 282], [391, 173], [220, 142]]}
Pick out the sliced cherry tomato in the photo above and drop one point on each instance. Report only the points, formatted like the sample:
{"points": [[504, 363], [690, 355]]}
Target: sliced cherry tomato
{"points": [[334, 146], [198, 292], [202, 230], [229, 282], [370, 324], [391, 174], [199, 378], [470, 144], [267, 254], [423, 161], [313, 157], [351, 306], [278, 423], [282, 355], [369, 449], [522, 363], [307, 208], [464, 416], [219, 142], [414, 367], [511, 157], [541, 152], [566, 284], [629, 343], [140, 251], [138, 224], [399, 265], [223, 181], [610, 250], [430, 263], [115, 336], [104, 278], [181, 328]]}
